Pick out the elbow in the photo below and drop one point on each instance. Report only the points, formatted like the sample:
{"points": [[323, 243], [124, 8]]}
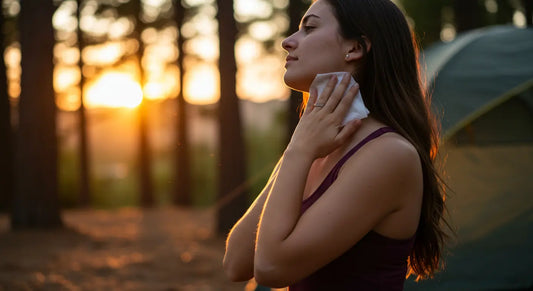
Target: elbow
{"points": [[236, 276], [270, 275], [235, 272]]}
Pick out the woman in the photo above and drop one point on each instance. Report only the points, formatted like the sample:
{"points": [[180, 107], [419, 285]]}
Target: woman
{"points": [[353, 207]]}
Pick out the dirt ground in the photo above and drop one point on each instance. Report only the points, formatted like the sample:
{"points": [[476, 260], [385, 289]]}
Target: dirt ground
{"points": [[127, 249]]}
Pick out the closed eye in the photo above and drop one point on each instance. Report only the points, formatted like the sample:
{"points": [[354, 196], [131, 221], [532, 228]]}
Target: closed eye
{"points": [[308, 28]]}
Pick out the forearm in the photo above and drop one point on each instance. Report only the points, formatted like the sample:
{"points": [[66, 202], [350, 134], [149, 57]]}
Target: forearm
{"points": [[282, 208], [240, 246], [239, 257]]}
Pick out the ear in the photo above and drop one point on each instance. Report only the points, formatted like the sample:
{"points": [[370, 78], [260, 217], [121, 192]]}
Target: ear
{"points": [[357, 50]]}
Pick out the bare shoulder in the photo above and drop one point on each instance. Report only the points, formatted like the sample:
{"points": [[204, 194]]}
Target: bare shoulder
{"points": [[390, 147], [393, 145], [394, 155], [390, 158]]}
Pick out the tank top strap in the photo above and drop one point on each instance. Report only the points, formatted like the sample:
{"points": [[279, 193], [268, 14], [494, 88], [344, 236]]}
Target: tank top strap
{"points": [[375, 134], [332, 175]]}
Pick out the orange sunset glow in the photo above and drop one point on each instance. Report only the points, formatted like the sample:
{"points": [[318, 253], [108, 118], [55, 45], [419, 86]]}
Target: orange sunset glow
{"points": [[111, 71], [114, 90]]}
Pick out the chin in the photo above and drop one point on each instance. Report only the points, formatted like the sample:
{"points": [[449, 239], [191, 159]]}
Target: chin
{"points": [[296, 84]]}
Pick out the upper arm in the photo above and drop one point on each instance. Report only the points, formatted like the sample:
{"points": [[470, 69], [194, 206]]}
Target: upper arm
{"points": [[371, 185]]}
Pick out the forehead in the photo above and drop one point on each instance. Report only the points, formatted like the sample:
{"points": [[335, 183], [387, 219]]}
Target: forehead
{"points": [[320, 8]]}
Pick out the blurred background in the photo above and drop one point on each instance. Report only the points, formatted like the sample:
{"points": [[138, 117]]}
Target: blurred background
{"points": [[165, 117]]}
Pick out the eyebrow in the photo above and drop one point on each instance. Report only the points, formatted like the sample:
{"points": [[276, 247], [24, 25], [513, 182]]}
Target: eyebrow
{"points": [[306, 18]]}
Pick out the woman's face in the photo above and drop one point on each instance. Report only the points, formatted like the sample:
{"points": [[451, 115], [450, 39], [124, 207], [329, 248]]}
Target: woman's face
{"points": [[316, 48]]}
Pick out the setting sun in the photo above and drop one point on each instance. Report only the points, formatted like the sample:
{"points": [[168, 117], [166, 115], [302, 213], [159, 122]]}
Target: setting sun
{"points": [[114, 90]]}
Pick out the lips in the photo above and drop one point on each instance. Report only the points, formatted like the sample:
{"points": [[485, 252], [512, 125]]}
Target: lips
{"points": [[291, 58]]}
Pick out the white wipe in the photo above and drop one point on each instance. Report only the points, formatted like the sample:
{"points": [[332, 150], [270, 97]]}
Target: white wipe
{"points": [[358, 109]]}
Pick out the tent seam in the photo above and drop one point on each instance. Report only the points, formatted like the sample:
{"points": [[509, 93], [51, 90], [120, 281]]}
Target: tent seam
{"points": [[486, 108]]}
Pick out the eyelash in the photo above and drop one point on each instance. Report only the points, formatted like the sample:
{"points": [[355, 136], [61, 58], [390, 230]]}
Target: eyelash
{"points": [[308, 28]]}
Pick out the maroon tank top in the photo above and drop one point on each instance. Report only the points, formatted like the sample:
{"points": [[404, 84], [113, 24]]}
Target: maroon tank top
{"points": [[374, 263]]}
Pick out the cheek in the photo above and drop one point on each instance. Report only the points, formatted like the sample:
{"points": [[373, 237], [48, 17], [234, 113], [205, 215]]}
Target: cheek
{"points": [[326, 58], [319, 56]]}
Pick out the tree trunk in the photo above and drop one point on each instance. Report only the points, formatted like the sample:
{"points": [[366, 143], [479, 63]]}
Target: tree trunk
{"points": [[35, 203], [528, 9], [428, 20], [467, 15], [145, 157], [85, 193], [6, 132], [232, 191], [505, 13], [182, 187]]}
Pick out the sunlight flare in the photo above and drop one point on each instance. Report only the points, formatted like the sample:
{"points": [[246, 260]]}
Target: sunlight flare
{"points": [[202, 84], [115, 89]]}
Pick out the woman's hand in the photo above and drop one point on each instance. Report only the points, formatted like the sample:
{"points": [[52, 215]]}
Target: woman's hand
{"points": [[318, 133], [320, 129]]}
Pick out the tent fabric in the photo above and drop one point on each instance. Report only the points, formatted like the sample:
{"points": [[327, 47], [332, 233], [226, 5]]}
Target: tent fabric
{"points": [[477, 72], [482, 87], [509, 123], [491, 209]]}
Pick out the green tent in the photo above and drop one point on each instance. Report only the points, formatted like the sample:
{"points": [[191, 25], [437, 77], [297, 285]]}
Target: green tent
{"points": [[482, 88]]}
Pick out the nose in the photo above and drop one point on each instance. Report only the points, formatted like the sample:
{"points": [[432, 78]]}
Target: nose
{"points": [[289, 43]]}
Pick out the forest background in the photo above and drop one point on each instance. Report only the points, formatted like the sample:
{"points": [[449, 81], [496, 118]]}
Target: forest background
{"points": [[93, 113]]}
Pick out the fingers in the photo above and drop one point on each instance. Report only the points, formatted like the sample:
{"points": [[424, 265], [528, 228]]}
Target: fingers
{"points": [[345, 103], [311, 100], [323, 98], [337, 94], [334, 100]]}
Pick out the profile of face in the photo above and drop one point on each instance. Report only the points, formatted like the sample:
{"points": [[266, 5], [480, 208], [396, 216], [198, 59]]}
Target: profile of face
{"points": [[317, 47]]}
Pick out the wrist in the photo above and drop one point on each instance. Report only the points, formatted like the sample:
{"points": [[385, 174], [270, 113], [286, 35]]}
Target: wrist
{"points": [[293, 153]]}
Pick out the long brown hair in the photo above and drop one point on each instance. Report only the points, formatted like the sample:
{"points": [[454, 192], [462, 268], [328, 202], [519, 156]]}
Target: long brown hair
{"points": [[390, 82]]}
